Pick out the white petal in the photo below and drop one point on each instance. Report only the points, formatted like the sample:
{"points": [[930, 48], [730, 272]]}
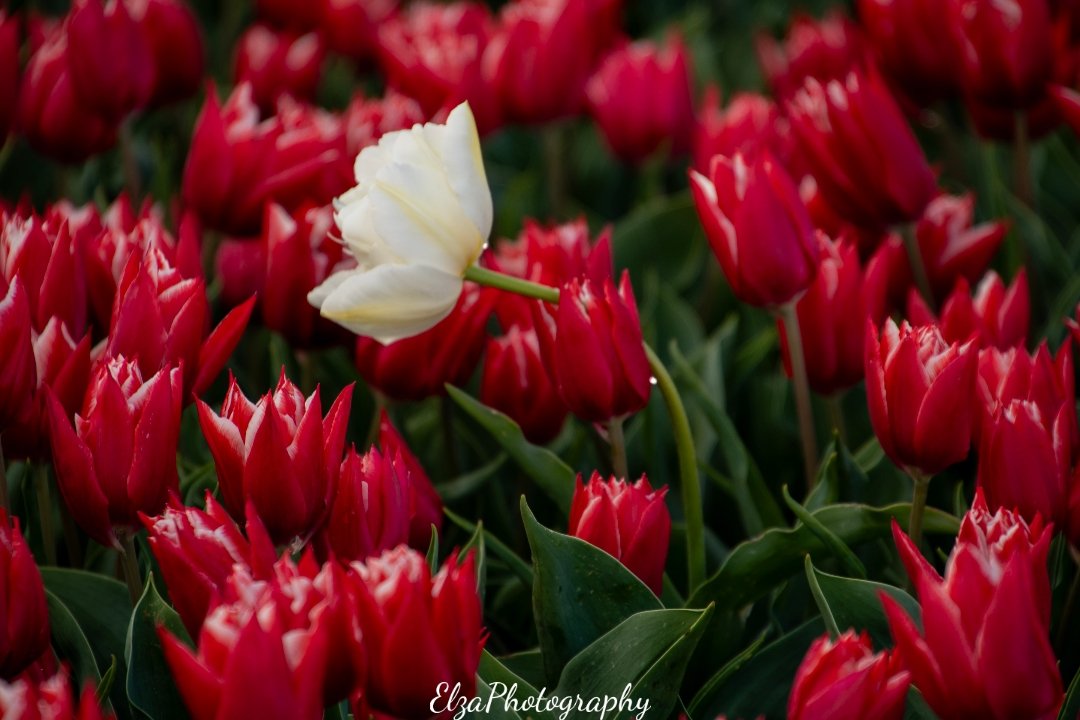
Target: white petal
{"points": [[458, 144], [357, 230], [389, 302], [317, 296]]}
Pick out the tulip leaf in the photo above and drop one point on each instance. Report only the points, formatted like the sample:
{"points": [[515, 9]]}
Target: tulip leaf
{"points": [[857, 604], [498, 548], [433, 550], [1070, 709], [761, 685], [641, 659], [672, 218], [579, 593], [102, 607], [150, 686], [494, 678], [108, 680], [717, 680], [475, 544], [70, 641], [756, 566], [841, 551], [544, 467]]}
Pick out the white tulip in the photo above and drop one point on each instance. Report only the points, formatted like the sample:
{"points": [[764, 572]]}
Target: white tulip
{"points": [[418, 218]]}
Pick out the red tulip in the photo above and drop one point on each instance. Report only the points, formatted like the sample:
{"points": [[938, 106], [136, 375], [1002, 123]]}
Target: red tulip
{"points": [[279, 63], [758, 228], [406, 615], [368, 119], [859, 148], [628, 521], [434, 53], [593, 349], [826, 49], [832, 320], [425, 505], [176, 44], [917, 43], [9, 72], [844, 679], [161, 318], [237, 164], [24, 628], [921, 393], [985, 653], [640, 97], [240, 267], [196, 551], [18, 371], [116, 82], [279, 453], [997, 316], [52, 699], [749, 122], [540, 57], [516, 382], [300, 253], [351, 27], [297, 15], [421, 366], [119, 459]]}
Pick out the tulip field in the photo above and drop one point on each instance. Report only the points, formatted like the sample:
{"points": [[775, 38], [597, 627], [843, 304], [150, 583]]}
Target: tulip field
{"points": [[539, 359]]}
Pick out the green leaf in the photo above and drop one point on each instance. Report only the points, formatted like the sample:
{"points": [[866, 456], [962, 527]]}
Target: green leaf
{"points": [[498, 678], [758, 565], [108, 679], [671, 221], [857, 604], [528, 665], [1070, 709], [544, 467], [579, 593], [761, 685], [836, 546], [476, 544], [70, 642], [647, 652], [498, 548], [150, 686], [433, 550], [707, 691]]}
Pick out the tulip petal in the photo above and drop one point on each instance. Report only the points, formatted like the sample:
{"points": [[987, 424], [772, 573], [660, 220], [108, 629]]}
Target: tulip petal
{"points": [[458, 144], [943, 427], [220, 344], [199, 686]]}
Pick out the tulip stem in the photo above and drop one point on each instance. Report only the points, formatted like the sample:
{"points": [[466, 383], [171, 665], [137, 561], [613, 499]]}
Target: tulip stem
{"points": [[689, 483], [1070, 605], [1022, 180], [129, 163], [5, 502], [617, 441], [45, 513], [446, 415], [555, 165], [918, 504], [130, 564], [501, 281], [801, 380], [918, 267], [836, 416]]}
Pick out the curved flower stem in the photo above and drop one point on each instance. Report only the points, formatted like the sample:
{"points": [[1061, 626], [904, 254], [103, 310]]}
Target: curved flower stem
{"points": [[130, 564], [918, 266], [918, 504], [689, 483], [45, 514], [617, 442], [802, 394]]}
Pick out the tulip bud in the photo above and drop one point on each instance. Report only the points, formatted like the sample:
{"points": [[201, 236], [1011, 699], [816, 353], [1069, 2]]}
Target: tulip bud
{"points": [[434, 52], [9, 72], [119, 459], [832, 320], [598, 323], [406, 613], [418, 218], [985, 652], [516, 382], [826, 49], [921, 393], [196, 551], [628, 521], [748, 123], [279, 453], [844, 679], [18, 371], [758, 228], [279, 63], [52, 699], [540, 58], [425, 505], [24, 628], [996, 316], [117, 82], [640, 97], [351, 26], [859, 148], [176, 44], [420, 366]]}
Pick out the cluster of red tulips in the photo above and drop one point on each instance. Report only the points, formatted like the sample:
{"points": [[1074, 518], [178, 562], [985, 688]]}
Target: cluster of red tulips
{"points": [[275, 565]]}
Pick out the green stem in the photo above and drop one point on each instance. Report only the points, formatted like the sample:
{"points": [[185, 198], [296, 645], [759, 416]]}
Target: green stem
{"points": [[45, 514], [130, 163], [5, 502], [918, 267], [689, 484], [1070, 605], [130, 563], [617, 441], [1023, 184], [555, 165], [803, 406], [446, 414], [918, 504], [836, 415], [307, 371], [376, 418], [500, 281]]}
